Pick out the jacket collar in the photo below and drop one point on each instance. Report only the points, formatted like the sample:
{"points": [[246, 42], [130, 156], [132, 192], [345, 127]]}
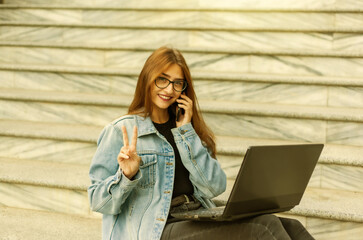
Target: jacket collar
{"points": [[144, 126]]}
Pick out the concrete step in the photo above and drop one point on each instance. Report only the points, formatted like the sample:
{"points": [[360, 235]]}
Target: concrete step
{"points": [[37, 185], [59, 143], [291, 62], [34, 225], [64, 109], [326, 229], [64, 135], [292, 89], [230, 5], [332, 153], [48, 187], [44, 173], [74, 143], [254, 120], [340, 167], [215, 27], [317, 204], [252, 109], [204, 18], [273, 38], [187, 49], [7, 69], [285, 122]]}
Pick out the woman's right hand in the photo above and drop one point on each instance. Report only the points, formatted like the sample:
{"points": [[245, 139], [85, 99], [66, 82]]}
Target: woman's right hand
{"points": [[128, 159]]}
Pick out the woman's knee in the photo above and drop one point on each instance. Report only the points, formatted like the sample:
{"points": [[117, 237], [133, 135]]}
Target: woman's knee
{"points": [[267, 219], [271, 225], [290, 222], [295, 229]]}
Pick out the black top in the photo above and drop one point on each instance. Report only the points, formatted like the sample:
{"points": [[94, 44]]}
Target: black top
{"points": [[182, 184]]}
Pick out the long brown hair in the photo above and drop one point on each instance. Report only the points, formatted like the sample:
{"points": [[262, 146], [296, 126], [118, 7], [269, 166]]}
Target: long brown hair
{"points": [[157, 62]]}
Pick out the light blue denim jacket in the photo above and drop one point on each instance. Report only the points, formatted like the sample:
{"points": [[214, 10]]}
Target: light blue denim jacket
{"points": [[139, 208]]}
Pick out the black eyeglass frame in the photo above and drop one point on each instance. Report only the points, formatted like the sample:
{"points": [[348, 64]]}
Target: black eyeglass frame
{"points": [[172, 82]]}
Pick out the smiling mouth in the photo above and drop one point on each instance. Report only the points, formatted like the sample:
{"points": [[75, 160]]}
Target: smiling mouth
{"points": [[164, 97]]}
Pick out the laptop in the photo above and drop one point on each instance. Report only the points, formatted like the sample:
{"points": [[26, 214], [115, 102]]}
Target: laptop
{"points": [[271, 179]]}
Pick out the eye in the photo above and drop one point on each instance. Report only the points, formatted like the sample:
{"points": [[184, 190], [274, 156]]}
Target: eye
{"points": [[162, 79], [179, 83]]}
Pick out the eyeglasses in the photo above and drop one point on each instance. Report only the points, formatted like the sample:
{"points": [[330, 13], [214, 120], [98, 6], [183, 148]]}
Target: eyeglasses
{"points": [[178, 85]]}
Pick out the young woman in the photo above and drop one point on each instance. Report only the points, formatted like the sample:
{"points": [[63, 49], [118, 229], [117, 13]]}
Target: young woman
{"points": [[159, 156]]}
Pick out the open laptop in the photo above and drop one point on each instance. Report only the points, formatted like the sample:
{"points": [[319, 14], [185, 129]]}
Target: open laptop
{"points": [[271, 179]]}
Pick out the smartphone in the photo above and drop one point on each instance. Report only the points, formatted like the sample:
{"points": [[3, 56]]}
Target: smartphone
{"points": [[177, 110]]}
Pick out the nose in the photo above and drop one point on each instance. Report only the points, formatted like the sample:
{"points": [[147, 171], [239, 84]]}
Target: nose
{"points": [[169, 89]]}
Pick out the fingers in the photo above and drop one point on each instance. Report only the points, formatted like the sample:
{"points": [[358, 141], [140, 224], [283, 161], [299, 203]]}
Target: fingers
{"points": [[123, 155], [126, 138], [184, 97], [185, 103], [134, 139], [185, 100], [132, 147]]}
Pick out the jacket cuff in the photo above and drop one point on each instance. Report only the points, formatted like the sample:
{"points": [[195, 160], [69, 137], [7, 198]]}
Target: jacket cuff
{"points": [[186, 129], [121, 179]]}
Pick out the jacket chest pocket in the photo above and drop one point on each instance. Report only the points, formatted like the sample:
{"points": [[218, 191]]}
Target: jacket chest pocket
{"points": [[148, 170]]}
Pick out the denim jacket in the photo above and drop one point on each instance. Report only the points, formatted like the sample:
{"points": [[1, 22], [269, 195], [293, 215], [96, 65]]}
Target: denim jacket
{"points": [[139, 208]]}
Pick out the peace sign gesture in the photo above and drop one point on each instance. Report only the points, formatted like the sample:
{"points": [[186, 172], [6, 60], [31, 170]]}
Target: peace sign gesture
{"points": [[128, 159]]}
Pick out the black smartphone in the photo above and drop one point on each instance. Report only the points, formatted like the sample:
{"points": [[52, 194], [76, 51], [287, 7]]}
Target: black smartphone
{"points": [[177, 110]]}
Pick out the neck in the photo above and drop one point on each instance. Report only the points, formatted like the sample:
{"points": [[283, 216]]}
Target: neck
{"points": [[160, 116]]}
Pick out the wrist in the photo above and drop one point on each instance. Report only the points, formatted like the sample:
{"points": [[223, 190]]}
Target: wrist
{"points": [[128, 175], [131, 175], [181, 124]]}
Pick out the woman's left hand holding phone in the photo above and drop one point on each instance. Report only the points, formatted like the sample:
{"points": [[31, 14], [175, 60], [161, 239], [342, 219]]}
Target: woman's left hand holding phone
{"points": [[128, 159], [185, 103]]}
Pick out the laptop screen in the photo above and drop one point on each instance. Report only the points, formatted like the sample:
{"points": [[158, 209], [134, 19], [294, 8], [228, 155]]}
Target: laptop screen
{"points": [[272, 178]]}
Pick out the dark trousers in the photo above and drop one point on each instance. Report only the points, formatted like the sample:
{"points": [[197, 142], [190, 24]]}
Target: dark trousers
{"points": [[261, 227]]}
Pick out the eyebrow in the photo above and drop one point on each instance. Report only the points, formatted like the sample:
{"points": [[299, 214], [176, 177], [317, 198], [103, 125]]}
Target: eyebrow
{"points": [[166, 75]]}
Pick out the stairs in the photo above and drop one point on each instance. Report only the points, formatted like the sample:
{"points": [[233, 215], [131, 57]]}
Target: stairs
{"points": [[265, 73]]}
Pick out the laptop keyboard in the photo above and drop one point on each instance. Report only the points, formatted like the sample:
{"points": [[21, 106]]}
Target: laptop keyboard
{"points": [[210, 212]]}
